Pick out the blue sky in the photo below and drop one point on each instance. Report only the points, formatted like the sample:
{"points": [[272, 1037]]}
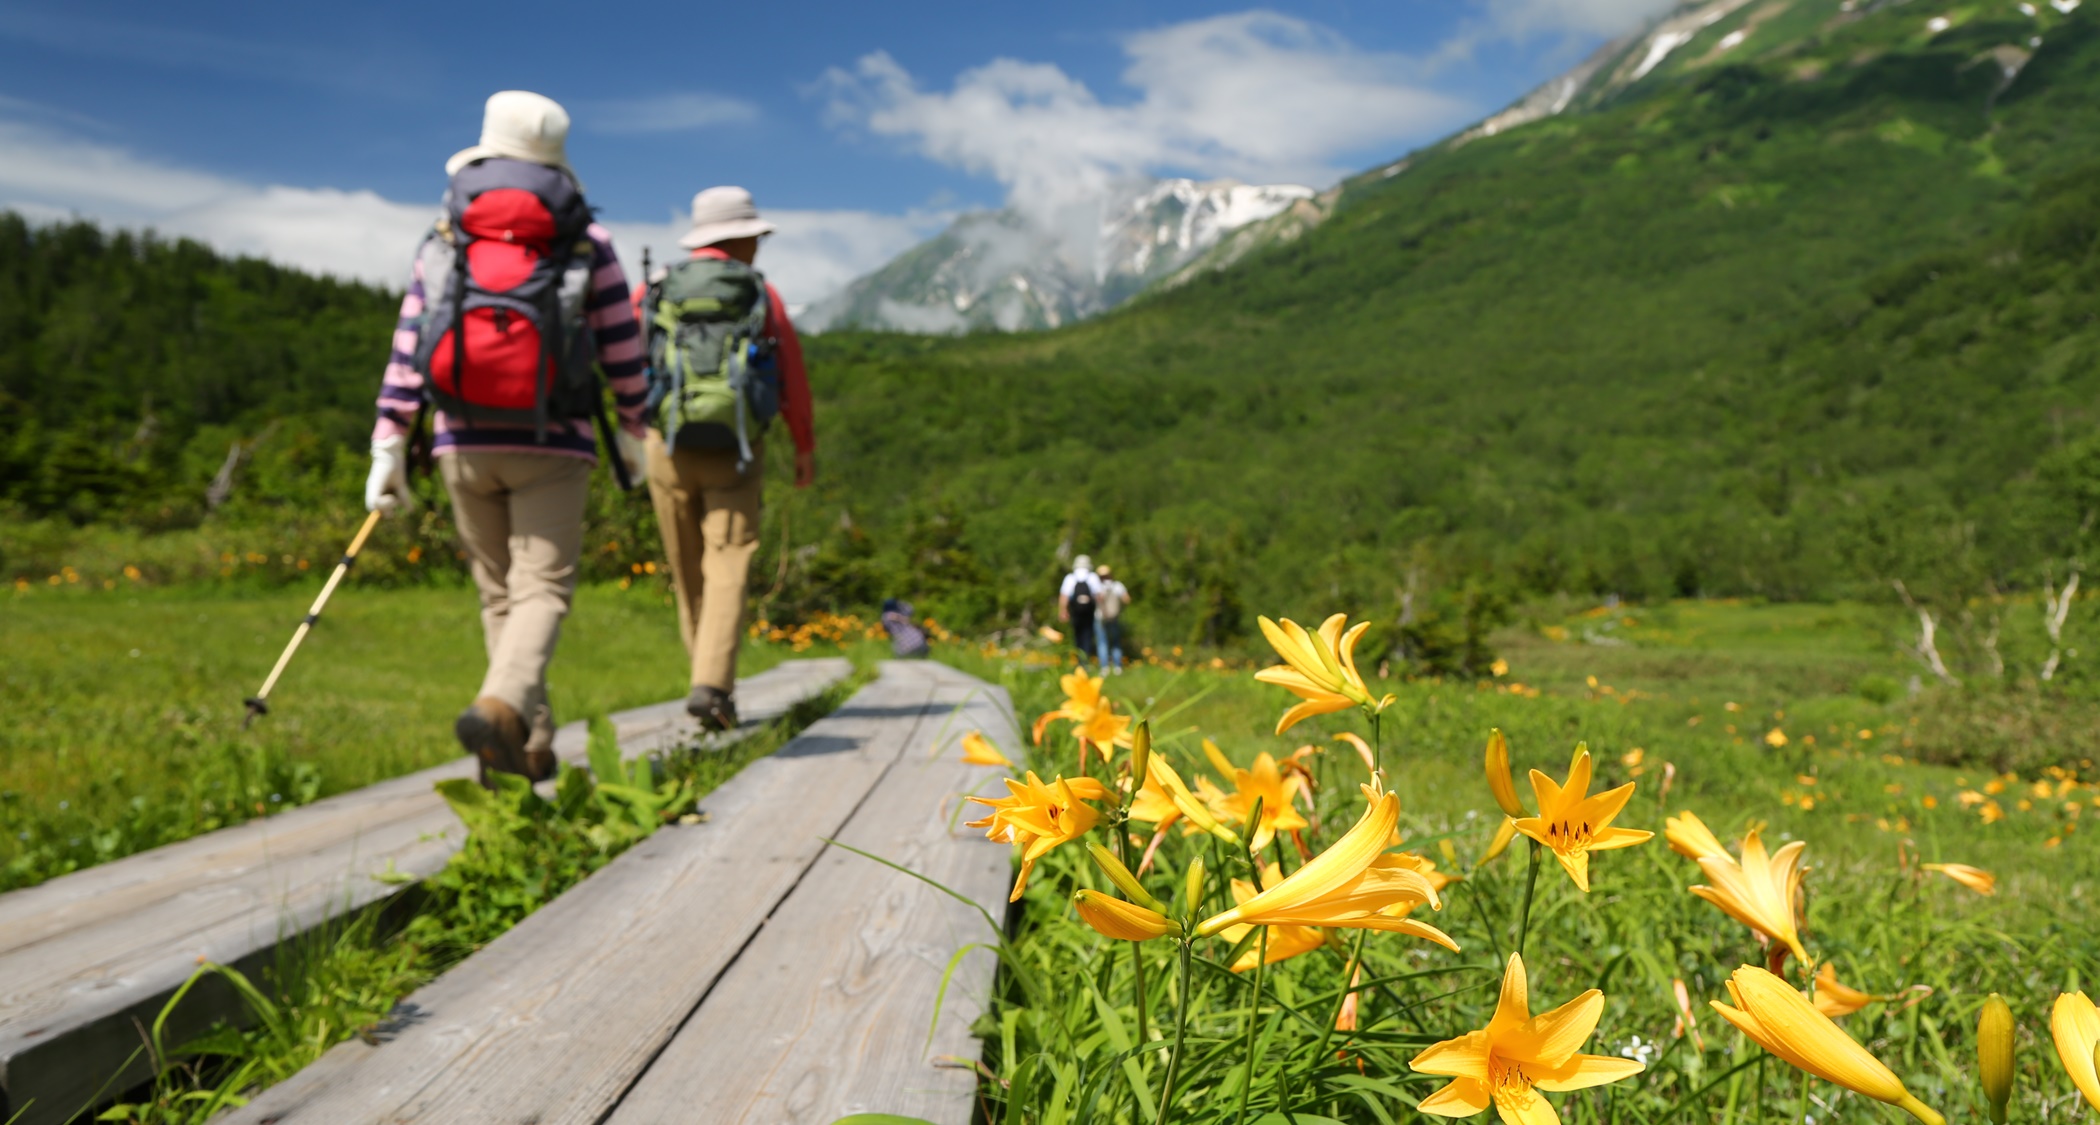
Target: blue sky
{"points": [[316, 134]]}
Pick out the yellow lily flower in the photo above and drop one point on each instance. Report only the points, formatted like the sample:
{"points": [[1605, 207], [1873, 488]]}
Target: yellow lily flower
{"points": [[1285, 942], [1782, 1021], [1319, 669], [1994, 1054], [1974, 878], [1039, 817], [1500, 783], [1153, 804], [1348, 886], [1573, 823], [1124, 921], [979, 751], [1838, 1000], [1689, 837], [2075, 1026], [1425, 867], [1508, 1062], [1762, 892], [1265, 782], [1177, 791], [1503, 835], [1094, 714]]}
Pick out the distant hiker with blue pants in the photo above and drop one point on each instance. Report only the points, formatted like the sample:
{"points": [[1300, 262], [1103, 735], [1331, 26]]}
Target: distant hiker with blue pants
{"points": [[1076, 598], [1108, 621], [516, 308], [724, 360]]}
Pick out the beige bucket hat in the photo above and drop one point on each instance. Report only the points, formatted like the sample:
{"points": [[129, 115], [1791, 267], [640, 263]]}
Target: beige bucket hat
{"points": [[723, 213], [520, 125]]}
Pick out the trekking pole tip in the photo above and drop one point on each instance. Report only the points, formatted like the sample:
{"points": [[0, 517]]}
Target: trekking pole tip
{"points": [[255, 706]]}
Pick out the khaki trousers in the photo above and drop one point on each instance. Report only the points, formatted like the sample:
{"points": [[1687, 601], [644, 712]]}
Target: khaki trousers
{"points": [[520, 516], [709, 517]]}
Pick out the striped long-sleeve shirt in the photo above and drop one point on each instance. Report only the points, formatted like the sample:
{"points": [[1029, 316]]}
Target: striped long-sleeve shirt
{"points": [[620, 356]]}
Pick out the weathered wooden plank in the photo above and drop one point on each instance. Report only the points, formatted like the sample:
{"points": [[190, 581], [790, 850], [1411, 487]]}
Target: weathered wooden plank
{"points": [[827, 1011], [553, 1021], [87, 959]]}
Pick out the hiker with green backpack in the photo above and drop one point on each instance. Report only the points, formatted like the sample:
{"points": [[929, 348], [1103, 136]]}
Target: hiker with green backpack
{"points": [[724, 361]]}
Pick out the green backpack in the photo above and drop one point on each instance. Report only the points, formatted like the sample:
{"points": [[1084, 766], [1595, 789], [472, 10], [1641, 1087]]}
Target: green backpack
{"points": [[713, 380]]}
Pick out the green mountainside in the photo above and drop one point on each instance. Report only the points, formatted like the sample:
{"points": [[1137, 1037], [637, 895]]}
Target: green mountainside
{"points": [[1794, 317]]}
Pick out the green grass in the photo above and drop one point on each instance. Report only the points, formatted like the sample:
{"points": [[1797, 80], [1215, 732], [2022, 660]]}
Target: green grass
{"points": [[1873, 812], [125, 709]]}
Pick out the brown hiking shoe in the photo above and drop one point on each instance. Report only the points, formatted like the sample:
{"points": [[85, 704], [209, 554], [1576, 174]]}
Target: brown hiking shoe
{"points": [[493, 732], [540, 762], [713, 707]]}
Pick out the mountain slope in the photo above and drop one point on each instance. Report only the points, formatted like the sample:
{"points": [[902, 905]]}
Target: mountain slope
{"points": [[1623, 349], [1012, 271]]}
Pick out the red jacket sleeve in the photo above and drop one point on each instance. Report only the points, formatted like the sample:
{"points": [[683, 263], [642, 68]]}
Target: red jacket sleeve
{"points": [[795, 406]]}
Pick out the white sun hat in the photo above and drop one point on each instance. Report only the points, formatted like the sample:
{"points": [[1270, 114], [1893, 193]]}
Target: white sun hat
{"points": [[520, 125], [723, 213]]}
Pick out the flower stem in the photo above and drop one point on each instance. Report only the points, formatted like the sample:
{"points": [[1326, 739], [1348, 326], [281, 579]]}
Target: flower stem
{"points": [[1356, 958], [1531, 882], [1181, 1026], [1137, 957], [1801, 1113], [1261, 962]]}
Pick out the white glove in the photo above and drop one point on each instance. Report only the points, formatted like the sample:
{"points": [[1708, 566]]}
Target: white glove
{"points": [[387, 487], [635, 452]]}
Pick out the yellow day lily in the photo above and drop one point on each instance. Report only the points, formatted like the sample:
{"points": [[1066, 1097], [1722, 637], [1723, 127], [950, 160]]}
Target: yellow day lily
{"points": [[979, 751], [1093, 714], [1507, 1063], [1263, 782], [2075, 1026], [1782, 1021], [1177, 791], [1838, 1000], [1500, 783], [1689, 837], [1039, 817], [1285, 942], [1504, 833], [1762, 892], [1349, 886], [1573, 823], [1319, 669], [1974, 878], [1124, 921]]}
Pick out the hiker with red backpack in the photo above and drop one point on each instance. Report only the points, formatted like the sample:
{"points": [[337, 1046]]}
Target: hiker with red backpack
{"points": [[724, 361], [515, 321]]}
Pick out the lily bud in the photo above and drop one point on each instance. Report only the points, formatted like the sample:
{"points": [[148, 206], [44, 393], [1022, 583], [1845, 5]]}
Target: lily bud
{"points": [[1195, 885], [1500, 783], [1124, 921], [1140, 755], [1994, 1054], [1120, 875], [1496, 846]]}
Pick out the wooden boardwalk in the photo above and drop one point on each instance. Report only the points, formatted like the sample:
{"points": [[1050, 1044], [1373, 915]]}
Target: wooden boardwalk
{"points": [[739, 970], [89, 959]]}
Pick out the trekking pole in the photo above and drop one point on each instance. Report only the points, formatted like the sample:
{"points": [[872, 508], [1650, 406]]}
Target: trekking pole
{"points": [[258, 704]]}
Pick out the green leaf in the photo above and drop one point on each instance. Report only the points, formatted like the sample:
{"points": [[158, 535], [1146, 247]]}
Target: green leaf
{"points": [[605, 751]]}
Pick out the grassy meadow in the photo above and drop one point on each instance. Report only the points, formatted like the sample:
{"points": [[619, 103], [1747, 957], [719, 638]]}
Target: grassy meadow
{"points": [[1796, 719], [124, 706]]}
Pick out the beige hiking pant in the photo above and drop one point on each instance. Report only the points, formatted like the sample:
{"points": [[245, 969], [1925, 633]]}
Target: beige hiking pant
{"points": [[520, 516], [709, 518]]}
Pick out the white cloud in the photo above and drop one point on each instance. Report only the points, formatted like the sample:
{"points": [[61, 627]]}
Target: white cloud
{"points": [[1520, 19], [666, 113], [1255, 95], [49, 175]]}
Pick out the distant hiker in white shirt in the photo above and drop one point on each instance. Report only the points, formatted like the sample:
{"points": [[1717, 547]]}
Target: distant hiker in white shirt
{"points": [[1108, 621], [1076, 600]]}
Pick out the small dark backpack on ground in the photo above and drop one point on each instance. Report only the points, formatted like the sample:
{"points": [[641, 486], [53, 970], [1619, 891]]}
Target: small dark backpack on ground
{"points": [[506, 274], [713, 380]]}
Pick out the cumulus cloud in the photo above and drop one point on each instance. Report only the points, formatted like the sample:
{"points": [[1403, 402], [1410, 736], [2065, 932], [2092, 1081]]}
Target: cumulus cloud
{"points": [[1521, 19], [666, 113], [1255, 95], [47, 175]]}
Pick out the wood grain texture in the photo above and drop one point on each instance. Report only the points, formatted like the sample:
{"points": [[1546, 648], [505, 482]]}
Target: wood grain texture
{"points": [[553, 1021], [827, 1012], [87, 959]]}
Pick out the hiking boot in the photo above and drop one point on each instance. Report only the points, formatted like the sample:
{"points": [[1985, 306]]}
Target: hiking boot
{"points": [[713, 707], [540, 762], [493, 732]]}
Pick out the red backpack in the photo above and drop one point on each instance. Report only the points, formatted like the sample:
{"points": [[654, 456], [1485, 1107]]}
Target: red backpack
{"points": [[506, 272]]}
